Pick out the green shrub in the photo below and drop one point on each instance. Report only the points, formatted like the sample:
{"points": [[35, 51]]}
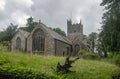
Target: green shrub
{"points": [[82, 52], [18, 72], [116, 59], [5, 43], [88, 55], [116, 75], [92, 56]]}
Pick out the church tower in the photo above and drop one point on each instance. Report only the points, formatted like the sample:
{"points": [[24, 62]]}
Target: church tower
{"points": [[74, 28], [75, 34]]}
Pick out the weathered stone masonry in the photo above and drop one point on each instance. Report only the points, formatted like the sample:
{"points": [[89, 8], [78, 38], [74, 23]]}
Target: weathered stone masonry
{"points": [[43, 40]]}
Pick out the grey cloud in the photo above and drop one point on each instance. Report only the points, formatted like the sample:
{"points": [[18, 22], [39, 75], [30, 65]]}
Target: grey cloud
{"points": [[54, 13]]}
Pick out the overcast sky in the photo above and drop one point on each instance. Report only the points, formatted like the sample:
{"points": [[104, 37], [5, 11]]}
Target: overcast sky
{"points": [[53, 13]]}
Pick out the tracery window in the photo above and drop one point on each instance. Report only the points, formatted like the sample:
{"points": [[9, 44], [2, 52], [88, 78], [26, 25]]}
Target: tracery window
{"points": [[18, 43], [38, 40]]}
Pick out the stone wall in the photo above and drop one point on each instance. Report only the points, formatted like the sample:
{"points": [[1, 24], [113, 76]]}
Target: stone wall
{"points": [[49, 43], [62, 48], [54, 44], [75, 35], [74, 28], [29, 44], [77, 39], [23, 40]]}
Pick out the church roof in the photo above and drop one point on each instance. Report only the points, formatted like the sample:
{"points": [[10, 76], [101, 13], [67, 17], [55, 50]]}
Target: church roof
{"points": [[24, 33], [55, 35]]}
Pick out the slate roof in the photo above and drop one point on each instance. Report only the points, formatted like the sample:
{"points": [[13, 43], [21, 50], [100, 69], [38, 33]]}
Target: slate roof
{"points": [[55, 35]]}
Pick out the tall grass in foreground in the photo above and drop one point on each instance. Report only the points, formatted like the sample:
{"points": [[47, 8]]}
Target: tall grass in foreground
{"points": [[31, 66]]}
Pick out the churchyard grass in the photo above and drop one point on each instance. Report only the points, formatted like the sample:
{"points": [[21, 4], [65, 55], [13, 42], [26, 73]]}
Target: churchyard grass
{"points": [[23, 65]]}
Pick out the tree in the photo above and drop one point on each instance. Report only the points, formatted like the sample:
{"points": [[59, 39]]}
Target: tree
{"points": [[2, 36], [92, 40], [59, 31], [31, 24], [9, 32], [30, 21], [110, 30]]}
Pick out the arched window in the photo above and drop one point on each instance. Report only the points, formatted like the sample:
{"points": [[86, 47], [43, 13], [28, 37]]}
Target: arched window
{"points": [[76, 49], [18, 43], [38, 40]]}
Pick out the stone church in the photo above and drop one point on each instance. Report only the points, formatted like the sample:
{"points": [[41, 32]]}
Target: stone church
{"points": [[43, 40]]}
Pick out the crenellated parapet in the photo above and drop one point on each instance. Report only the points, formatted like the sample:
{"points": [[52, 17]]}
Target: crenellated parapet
{"points": [[74, 27]]}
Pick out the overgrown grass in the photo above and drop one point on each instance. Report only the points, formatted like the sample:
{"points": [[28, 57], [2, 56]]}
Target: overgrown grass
{"points": [[30, 66]]}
